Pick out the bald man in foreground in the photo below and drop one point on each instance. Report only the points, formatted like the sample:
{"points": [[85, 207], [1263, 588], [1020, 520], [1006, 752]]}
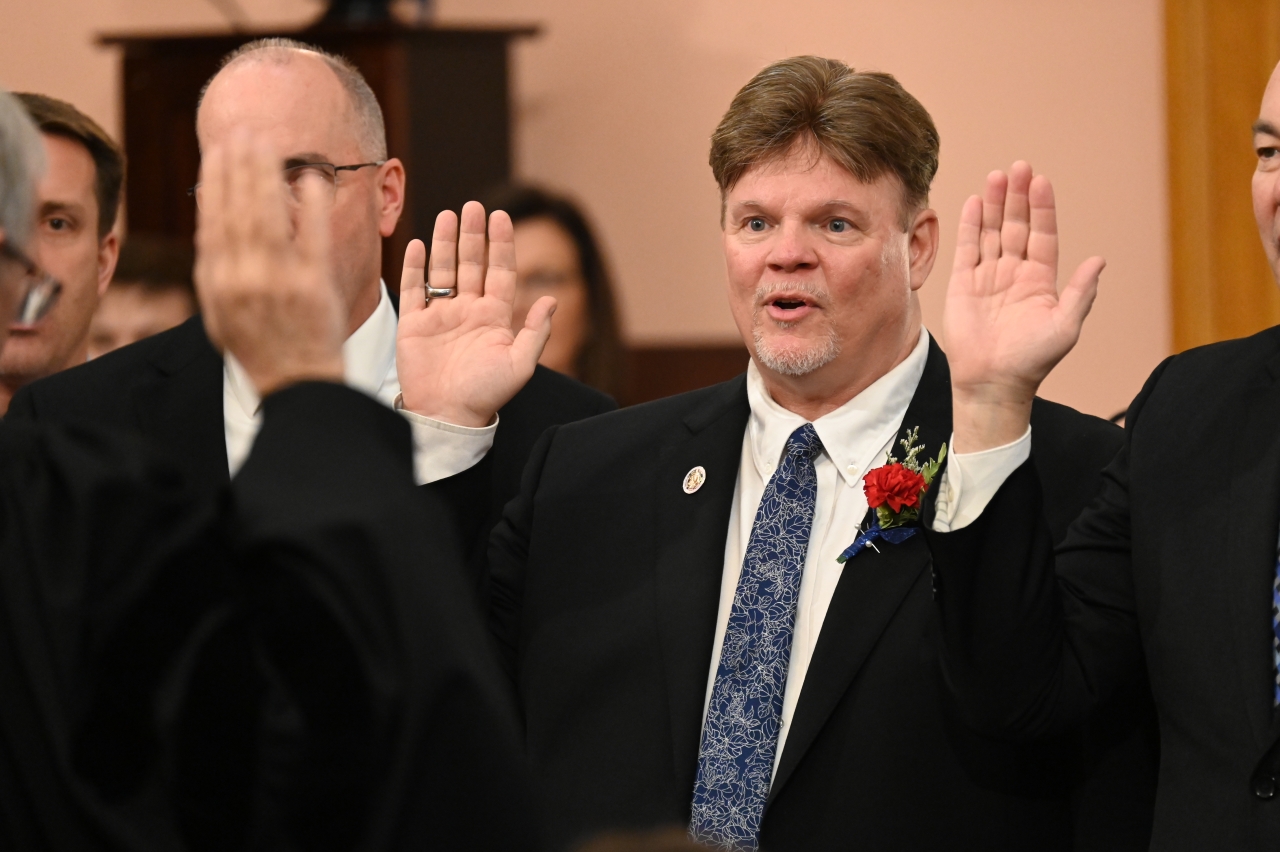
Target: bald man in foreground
{"points": [[471, 389]]}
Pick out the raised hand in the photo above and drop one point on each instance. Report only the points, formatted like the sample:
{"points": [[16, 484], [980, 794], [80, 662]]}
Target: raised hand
{"points": [[266, 291], [1005, 324], [458, 359]]}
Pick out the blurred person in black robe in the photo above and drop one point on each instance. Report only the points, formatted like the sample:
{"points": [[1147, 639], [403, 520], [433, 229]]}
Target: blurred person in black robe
{"points": [[143, 630]]}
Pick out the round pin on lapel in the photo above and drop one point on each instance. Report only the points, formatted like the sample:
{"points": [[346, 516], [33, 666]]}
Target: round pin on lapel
{"points": [[693, 479]]}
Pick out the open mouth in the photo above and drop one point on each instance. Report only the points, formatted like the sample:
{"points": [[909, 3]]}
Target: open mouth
{"points": [[789, 307]]}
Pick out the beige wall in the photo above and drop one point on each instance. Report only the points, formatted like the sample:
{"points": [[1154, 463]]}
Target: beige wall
{"points": [[615, 102]]}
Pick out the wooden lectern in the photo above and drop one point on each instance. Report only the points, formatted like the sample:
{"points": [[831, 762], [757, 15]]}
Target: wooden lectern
{"points": [[444, 92]]}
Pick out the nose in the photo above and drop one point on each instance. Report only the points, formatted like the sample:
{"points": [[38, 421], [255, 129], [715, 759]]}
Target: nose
{"points": [[792, 250]]}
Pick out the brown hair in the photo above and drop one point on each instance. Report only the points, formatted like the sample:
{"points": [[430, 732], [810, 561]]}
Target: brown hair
{"points": [[59, 118], [602, 361], [863, 120]]}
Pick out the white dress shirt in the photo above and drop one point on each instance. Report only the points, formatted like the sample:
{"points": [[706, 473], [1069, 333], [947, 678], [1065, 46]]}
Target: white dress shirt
{"points": [[440, 450], [855, 439], [970, 480]]}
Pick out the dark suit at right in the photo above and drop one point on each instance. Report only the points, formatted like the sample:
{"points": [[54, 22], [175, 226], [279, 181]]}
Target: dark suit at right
{"points": [[1173, 567]]}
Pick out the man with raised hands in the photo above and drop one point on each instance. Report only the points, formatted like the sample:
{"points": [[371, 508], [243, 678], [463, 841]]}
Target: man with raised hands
{"points": [[1173, 568], [149, 629], [695, 633], [470, 447]]}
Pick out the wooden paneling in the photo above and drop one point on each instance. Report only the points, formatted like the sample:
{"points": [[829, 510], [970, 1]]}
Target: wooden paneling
{"points": [[657, 371], [445, 100], [1219, 56]]}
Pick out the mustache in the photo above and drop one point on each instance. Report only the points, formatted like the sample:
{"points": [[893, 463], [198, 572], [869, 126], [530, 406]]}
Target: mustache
{"points": [[817, 292]]}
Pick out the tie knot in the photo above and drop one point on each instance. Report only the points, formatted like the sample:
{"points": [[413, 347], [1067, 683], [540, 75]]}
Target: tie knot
{"points": [[804, 442]]}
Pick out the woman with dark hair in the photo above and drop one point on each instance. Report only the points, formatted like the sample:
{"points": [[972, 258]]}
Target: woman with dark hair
{"points": [[557, 255]]}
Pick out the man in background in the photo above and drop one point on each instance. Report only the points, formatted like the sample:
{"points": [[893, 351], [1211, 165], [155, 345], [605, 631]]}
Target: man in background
{"points": [[449, 368], [151, 292], [76, 204]]}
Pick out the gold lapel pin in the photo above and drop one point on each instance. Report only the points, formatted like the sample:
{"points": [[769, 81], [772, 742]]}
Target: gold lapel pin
{"points": [[693, 479]]}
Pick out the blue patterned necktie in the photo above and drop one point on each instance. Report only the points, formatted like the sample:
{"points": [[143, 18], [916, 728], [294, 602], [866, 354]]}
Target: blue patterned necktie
{"points": [[1275, 631], [735, 765]]}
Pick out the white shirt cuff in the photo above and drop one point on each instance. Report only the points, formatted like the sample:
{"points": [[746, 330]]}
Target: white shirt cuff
{"points": [[972, 479], [442, 450]]}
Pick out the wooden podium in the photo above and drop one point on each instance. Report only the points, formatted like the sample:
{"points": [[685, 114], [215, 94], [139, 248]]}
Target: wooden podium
{"points": [[445, 96]]}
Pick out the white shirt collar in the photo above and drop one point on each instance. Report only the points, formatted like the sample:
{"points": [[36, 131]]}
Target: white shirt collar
{"points": [[853, 435], [368, 356]]}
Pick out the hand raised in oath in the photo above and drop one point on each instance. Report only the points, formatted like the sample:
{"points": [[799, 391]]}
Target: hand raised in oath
{"points": [[265, 283], [1005, 324], [458, 359]]}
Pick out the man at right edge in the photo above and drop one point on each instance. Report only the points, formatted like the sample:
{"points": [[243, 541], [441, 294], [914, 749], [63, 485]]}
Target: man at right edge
{"points": [[1174, 564]]}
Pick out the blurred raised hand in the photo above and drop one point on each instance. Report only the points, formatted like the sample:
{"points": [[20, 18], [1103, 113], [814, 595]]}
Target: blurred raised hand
{"points": [[458, 359], [1005, 323], [263, 278]]}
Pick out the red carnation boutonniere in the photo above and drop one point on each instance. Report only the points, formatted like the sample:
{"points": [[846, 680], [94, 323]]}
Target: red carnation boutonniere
{"points": [[895, 491]]}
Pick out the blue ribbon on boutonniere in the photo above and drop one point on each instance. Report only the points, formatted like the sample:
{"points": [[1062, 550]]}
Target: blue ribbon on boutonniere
{"points": [[893, 535]]}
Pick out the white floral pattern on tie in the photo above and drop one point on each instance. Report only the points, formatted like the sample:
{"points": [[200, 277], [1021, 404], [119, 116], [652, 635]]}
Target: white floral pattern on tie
{"points": [[740, 738]]}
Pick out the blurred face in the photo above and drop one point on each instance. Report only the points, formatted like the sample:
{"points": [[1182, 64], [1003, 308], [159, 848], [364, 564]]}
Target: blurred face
{"points": [[822, 276], [300, 107], [65, 243], [1266, 177], [128, 313], [11, 274], [548, 265]]}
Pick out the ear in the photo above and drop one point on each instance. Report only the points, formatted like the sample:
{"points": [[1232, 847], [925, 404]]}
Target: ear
{"points": [[922, 246], [390, 183], [108, 254]]}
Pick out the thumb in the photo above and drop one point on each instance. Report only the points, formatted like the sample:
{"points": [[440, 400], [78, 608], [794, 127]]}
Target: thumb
{"points": [[1076, 299], [532, 339]]}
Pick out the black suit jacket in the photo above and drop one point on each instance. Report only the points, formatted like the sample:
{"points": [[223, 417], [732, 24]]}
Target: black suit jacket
{"points": [[605, 586], [168, 388], [1173, 566], [147, 631]]}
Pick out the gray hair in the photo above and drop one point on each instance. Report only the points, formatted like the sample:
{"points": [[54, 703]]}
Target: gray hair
{"points": [[372, 131], [21, 164]]}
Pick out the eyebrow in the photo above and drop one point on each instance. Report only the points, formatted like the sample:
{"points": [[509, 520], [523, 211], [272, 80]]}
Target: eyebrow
{"points": [[1263, 126], [835, 202], [306, 158], [60, 207]]}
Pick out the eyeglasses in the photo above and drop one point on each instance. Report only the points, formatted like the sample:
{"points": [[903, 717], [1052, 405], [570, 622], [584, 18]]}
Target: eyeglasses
{"points": [[295, 173], [39, 289]]}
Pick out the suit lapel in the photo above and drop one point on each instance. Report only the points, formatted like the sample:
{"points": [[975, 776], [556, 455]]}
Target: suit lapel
{"points": [[180, 407], [871, 588], [690, 557], [1254, 522]]}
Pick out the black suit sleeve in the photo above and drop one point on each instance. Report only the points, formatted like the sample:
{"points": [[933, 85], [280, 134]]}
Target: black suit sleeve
{"points": [[508, 558], [476, 497], [1034, 643]]}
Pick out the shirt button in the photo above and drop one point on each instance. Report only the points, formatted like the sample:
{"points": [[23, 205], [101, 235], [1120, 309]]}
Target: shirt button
{"points": [[852, 470], [1264, 787]]}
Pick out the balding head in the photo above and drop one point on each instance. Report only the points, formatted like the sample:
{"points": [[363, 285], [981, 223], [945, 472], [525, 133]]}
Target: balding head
{"points": [[365, 110], [300, 102]]}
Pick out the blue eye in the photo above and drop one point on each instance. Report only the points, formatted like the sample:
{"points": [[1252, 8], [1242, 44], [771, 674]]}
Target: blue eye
{"points": [[755, 225], [839, 226]]}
